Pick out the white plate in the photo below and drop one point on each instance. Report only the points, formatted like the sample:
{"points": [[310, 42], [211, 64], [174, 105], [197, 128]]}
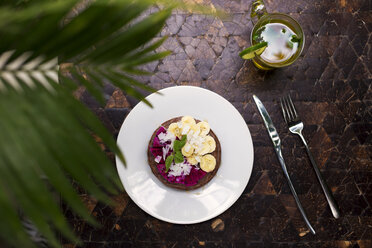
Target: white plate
{"points": [[172, 205]]}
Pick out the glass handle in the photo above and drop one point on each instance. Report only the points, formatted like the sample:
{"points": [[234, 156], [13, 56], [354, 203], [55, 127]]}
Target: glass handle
{"points": [[258, 10]]}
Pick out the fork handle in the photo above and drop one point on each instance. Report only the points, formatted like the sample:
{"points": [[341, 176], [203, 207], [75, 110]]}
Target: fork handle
{"points": [[331, 201]]}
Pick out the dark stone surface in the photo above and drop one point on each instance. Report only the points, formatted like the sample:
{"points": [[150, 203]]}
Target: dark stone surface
{"points": [[331, 88]]}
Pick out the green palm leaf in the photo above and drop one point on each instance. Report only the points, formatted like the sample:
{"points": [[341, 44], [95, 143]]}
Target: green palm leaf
{"points": [[45, 133]]}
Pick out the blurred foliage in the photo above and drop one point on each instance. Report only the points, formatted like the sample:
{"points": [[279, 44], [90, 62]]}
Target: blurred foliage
{"points": [[46, 135]]}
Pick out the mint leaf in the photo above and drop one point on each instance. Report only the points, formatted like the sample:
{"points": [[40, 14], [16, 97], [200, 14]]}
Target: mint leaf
{"points": [[183, 140], [290, 44], [295, 38], [178, 157], [178, 144], [168, 162], [257, 37]]}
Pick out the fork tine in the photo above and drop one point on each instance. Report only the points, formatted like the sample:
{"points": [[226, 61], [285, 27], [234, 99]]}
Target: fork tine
{"points": [[289, 110], [283, 110], [293, 107], [285, 104]]}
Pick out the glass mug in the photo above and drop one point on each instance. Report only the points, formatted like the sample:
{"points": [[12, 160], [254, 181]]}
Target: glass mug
{"points": [[283, 34]]}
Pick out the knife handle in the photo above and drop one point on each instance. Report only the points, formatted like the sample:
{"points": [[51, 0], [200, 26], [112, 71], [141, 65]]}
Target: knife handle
{"points": [[302, 211]]}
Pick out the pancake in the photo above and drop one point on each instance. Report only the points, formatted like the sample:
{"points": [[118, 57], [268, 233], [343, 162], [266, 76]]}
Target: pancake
{"points": [[159, 172]]}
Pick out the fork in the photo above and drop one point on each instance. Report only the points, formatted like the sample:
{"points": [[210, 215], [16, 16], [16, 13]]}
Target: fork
{"points": [[296, 126]]}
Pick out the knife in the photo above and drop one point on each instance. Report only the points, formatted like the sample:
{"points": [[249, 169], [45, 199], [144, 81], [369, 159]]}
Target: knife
{"points": [[278, 150]]}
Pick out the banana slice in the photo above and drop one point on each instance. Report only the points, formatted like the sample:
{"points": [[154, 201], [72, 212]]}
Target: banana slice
{"points": [[185, 128], [194, 130], [208, 163], [188, 120], [204, 128], [211, 143], [197, 158], [187, 150], [192, 160], [205, 148], [175, 129]]}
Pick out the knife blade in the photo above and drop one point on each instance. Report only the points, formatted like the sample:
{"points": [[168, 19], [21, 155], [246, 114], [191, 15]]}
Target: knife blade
{"points": [[274, 136]]}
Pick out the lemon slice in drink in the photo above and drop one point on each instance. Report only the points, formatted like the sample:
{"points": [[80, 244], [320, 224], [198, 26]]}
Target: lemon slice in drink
{"points": [[251, 51]]}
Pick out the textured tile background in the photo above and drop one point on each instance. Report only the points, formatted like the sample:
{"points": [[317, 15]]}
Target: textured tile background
{"points": [[331, 81]]}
